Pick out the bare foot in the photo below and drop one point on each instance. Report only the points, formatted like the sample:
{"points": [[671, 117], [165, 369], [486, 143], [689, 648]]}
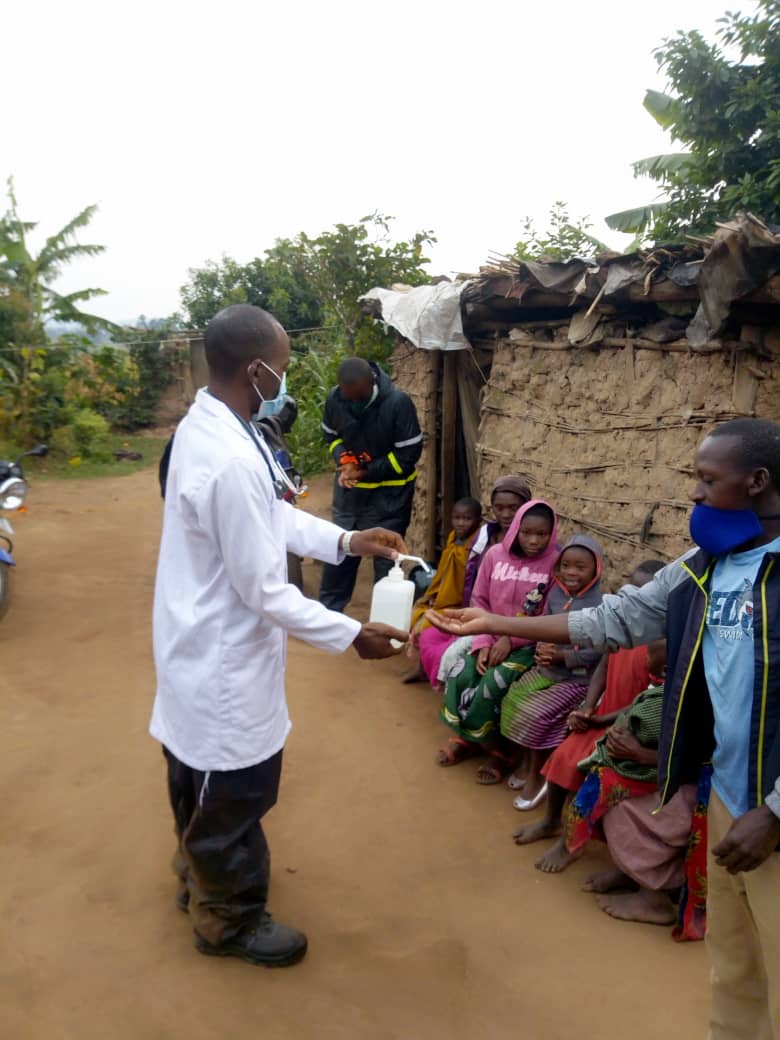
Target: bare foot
{"points": [[608, 881], [456, 751], [494, 770], [536, 832], [645, 905], [557, 858]]}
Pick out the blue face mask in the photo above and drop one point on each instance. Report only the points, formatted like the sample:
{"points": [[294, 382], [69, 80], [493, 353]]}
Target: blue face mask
{"points": [[720, 531], [269, 408]]}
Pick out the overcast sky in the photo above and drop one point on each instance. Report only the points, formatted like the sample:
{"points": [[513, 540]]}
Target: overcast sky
{"points": [[210, 128]]}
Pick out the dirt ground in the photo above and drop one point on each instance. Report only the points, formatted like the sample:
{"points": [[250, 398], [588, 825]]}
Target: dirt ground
{"points": [[424, 920]]}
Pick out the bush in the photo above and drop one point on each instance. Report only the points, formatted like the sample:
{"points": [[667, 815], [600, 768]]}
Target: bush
{"points": [[106, 380], [63, 442], [310, 377], [91, 435], [42, 388], [155, 371]]}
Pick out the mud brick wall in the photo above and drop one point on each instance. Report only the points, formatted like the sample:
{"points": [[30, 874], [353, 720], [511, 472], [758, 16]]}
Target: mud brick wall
{"points": [[608, 436], [417, 373]]}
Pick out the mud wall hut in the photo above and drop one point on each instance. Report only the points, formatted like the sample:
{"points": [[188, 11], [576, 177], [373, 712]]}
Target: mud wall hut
{"points": [[595, 380]]}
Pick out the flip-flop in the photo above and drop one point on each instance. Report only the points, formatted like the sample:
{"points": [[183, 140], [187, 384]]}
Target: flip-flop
{"points": [[526, 804]]}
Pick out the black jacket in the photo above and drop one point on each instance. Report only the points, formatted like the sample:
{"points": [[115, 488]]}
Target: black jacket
{"points": [[389, 433], [687, 736]]}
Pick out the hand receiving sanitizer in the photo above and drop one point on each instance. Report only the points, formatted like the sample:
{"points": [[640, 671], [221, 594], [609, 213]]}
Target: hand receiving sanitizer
{"points": [[393, 597]]}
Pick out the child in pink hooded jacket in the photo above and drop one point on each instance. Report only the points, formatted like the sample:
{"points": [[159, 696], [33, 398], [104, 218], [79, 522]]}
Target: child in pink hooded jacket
{"points": [[512, 581]]}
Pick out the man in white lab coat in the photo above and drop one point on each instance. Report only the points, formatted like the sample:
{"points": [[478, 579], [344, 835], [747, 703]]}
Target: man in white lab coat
{"points": [[222, 611]]}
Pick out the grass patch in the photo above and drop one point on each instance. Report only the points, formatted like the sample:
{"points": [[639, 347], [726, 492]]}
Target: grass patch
{"points": [[57, 466]]}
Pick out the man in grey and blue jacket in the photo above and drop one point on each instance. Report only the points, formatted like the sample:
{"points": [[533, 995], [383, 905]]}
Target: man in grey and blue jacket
{"points": [[719, 609]]}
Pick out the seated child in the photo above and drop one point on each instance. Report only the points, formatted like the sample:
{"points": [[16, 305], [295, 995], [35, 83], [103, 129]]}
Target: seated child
{"points": [[640, 668], [534, 712], [658, 852], [624, 765], [446, 587], [617, 679], [507, 495], [512, 580]]}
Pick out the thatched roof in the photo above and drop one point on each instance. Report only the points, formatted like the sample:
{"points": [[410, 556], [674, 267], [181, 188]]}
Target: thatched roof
{"points": [[683, 294]]}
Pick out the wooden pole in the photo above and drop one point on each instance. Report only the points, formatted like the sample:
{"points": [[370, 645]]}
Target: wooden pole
{"points": [[449, 433], [432, 461]]}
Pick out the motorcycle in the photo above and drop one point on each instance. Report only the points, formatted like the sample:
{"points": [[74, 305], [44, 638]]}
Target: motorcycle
{"points": [[13, 489]]}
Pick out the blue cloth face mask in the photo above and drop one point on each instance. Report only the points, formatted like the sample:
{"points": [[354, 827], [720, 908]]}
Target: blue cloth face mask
{"points": [[269, 405], [269, 408], [720, 531]]}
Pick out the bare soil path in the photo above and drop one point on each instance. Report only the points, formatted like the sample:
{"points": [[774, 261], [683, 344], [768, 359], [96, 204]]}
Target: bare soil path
{"points": [[424, 920]]}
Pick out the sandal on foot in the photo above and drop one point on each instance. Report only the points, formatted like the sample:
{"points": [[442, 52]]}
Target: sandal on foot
{"points": [[456, 751], [495, 769], [527, 804]]}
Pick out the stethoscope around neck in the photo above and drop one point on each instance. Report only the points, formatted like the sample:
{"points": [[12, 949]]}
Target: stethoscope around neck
{"points": [[281, 482]]}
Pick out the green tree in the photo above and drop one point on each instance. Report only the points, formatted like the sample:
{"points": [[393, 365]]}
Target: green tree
{"points": [[27, 278], [219, 284], [276, 283], [564, 239], [310, 283], [725, 112], [155, 368], [37, 376], [343, 263]]}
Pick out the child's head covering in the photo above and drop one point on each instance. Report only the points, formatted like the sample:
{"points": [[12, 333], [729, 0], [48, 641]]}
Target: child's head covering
{"points": [[550, 554], [517, 485], [512, 578], [582, 541]]}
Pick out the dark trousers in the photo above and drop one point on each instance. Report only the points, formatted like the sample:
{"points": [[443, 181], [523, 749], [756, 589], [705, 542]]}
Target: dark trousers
{"points": [[338, 580], [223, 858]]}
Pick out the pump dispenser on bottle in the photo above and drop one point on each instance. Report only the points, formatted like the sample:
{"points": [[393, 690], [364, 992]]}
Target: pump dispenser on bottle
{"points": [[393, 597]]}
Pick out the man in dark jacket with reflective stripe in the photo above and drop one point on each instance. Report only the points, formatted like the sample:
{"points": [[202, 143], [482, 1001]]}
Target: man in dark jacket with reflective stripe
{"points": [[373, 434]]}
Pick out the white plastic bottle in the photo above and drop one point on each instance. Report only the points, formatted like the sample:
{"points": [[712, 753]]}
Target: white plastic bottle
{"points": [[392, 600]]}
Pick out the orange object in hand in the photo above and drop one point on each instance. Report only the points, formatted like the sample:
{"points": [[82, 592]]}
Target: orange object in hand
{"points": [[351, 458]]}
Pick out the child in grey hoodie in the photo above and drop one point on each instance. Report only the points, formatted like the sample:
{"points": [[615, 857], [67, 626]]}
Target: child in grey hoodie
{"points": [[534, 712]]}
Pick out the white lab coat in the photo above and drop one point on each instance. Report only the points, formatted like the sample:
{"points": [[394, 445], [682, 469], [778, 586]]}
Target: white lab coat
{"points": [[222, 604]]}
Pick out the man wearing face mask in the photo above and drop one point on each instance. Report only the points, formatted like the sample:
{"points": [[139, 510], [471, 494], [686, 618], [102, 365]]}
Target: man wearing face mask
{"points": [[373, 434], [719, 609], [222, 611], [276, 418]]}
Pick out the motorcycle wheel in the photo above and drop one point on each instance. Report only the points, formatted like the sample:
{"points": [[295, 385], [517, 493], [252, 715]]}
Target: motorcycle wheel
{"points": [[5, 581]]}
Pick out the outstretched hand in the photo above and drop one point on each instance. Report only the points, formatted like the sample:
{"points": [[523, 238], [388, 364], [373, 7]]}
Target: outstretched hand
{"points": [[467, 621], [749, 841], [373, 641], [376, 541]]}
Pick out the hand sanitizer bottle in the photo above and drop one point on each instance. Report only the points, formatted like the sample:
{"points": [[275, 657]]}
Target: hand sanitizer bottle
{"points": [[392, 600]]}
